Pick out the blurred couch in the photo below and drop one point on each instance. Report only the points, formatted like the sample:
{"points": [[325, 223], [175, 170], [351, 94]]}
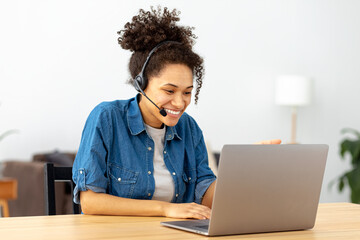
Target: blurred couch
{"points": [[30, 177]]}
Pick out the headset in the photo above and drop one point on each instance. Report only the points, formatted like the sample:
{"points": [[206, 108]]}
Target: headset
{"points": [[140, 82]]}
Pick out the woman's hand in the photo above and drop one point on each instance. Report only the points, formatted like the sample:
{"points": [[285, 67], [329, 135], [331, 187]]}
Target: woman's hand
{"points": [[187, 210], [272, 141]]}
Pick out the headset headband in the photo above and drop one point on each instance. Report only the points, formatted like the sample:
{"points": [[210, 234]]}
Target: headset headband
{"points": [[151, 53]]}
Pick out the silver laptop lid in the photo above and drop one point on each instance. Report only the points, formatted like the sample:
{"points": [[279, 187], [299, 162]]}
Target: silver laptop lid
{"points": [[265, 188]]}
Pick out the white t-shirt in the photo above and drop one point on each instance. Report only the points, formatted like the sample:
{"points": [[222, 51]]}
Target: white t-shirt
{"points": [[164, 184]]}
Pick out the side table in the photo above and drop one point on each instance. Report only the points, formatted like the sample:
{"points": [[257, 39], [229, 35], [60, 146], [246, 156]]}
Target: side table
{"points": [[8, 191]]}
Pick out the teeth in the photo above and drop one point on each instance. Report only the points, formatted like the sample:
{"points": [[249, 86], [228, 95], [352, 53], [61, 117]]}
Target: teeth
{"points": [[172, 112]]}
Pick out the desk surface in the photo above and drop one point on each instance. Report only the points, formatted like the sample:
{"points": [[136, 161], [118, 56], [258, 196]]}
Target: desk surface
{"points": [[334, 221]]}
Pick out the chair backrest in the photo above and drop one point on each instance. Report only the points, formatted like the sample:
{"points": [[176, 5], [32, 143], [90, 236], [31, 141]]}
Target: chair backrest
{"points": [[58, 174]]}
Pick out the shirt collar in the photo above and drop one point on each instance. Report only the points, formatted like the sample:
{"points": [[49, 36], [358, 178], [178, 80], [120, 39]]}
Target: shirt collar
{"points": [[136, 122], [134, 117], [171, 133]]}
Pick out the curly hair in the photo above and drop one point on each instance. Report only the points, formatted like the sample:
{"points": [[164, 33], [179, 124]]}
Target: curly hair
{"points": [[148, 29]]}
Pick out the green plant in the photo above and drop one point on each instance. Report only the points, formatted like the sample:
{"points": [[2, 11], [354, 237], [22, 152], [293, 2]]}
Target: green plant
{"points": [[352, 177], [3, 135]]}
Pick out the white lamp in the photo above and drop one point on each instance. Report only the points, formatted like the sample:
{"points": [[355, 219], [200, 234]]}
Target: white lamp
{"points": [[293, 91]]}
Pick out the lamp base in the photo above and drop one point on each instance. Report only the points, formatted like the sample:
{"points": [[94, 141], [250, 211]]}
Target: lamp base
{"points": [[293, 125]]}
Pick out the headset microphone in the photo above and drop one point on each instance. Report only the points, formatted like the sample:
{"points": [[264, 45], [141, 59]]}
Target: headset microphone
{"points": [[162, 111]]}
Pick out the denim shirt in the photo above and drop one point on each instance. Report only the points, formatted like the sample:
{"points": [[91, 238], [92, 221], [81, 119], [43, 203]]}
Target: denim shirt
{"points": [[116, 155]]}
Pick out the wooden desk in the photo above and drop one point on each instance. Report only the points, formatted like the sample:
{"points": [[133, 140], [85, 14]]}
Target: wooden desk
{"points": [[8, 191], [334, 221]]}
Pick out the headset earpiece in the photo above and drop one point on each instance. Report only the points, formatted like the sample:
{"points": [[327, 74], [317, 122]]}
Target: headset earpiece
{"points": [[139, 83]]}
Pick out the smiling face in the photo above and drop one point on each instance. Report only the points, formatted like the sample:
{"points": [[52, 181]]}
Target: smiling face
{"points": [[170, 90]]}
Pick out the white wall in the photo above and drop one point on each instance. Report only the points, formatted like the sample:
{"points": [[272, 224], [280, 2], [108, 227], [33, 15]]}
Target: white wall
{"points": [[58, 59]]}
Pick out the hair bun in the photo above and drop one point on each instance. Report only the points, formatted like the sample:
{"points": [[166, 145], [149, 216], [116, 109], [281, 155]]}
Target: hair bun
{"points": [[147, 29]]}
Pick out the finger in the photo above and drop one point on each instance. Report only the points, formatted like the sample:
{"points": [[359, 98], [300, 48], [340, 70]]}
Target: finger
{"points": [[273, 141], [192, 210], [201, 207], [202, 210], [199, 214]]}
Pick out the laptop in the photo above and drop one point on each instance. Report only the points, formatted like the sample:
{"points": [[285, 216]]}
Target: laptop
{"points": [[263, 188]]}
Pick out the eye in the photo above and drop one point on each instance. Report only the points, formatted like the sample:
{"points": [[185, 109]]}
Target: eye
{"points": [[169, 91], [187, 93]]}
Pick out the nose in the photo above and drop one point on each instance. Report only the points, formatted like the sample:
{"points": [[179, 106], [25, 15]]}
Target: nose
{"points": [[178, 101]]}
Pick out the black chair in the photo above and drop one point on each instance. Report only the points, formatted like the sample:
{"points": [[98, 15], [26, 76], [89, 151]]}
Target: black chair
{"points": [[58, 174], [217, 158]]}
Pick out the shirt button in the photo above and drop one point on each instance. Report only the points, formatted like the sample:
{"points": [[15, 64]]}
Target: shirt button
{"points": [[119, 179], [80, 172], [149, 194], [176, 195], [149, 148], [149, 172], [174, 173], [189, 178], [165, 152]]}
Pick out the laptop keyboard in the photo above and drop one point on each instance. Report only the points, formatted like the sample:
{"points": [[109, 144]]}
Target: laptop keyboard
{"points": [[203, 227]]}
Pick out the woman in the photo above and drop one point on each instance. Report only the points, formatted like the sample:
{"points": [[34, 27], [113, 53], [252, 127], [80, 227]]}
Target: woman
{"points": [[147, 147]]}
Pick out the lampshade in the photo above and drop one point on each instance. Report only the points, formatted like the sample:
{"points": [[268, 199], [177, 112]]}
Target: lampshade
{"points": [[293, 90]]}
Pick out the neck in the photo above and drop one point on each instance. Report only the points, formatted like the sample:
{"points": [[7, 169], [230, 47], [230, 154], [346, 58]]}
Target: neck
{"points": [[147, 113]]}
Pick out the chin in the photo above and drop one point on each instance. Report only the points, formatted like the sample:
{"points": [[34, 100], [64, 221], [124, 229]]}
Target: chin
{"points": [[171, 123]]}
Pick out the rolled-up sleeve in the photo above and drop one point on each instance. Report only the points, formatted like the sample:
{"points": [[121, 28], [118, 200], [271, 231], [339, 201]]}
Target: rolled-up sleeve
{"points": [[205, 177], [89, 168]]}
